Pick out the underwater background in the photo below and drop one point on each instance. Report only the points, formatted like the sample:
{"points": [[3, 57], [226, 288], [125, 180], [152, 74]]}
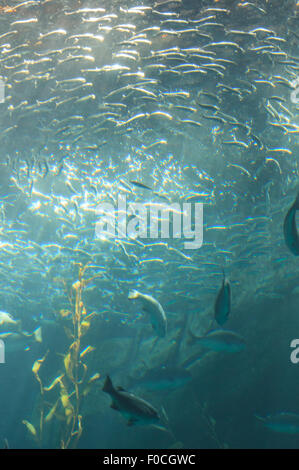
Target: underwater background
{"points": [[160, 102]]}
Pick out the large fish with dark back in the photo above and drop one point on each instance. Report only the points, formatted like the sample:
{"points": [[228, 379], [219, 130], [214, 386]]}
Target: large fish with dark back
{"points": [[220, 340], [290, 230], [134, 409], [163, 378]]}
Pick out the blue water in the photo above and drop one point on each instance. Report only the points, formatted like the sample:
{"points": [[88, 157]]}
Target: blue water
{"points": [[162, 104]]}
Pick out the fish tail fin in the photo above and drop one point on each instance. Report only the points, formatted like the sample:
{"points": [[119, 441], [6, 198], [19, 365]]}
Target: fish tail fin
{"points": [[164, 420], [133, 294], [165, 424], [108, 385], [38, 335]]}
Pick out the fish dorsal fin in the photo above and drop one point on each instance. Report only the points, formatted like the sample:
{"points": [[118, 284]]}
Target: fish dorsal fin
{"points": [[120, 389]]}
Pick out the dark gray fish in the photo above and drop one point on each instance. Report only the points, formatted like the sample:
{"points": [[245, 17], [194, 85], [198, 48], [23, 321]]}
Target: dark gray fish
{"points": [[141, 185], [223, 302], [134, 409], [290, 230]]}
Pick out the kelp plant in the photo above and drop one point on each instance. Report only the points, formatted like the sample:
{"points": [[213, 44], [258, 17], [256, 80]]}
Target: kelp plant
{"points": [[73, 382]]}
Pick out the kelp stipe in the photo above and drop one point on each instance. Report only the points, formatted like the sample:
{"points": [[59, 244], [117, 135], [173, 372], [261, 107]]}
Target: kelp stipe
{"points": [[72, 383]]}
